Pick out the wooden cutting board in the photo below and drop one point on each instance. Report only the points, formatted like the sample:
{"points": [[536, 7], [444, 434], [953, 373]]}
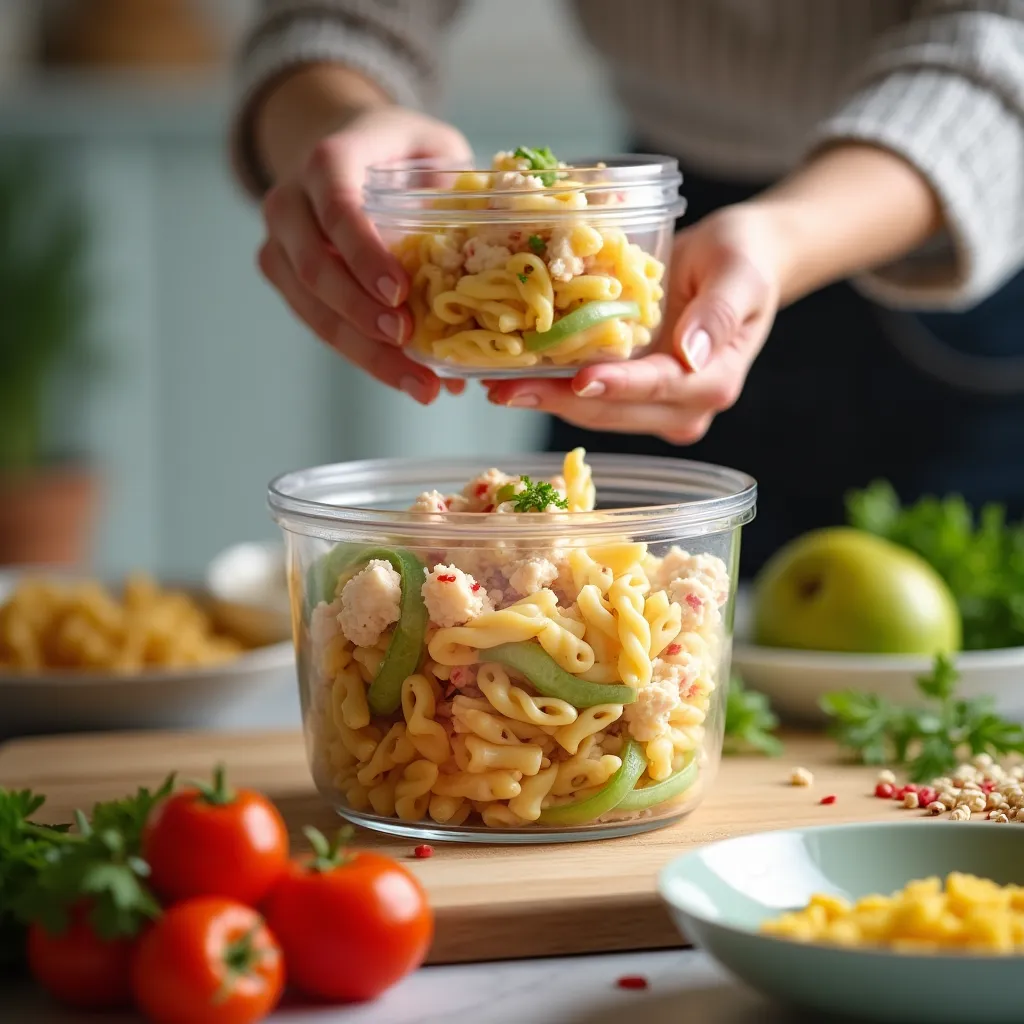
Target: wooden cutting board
{"points": [[491, 902]]}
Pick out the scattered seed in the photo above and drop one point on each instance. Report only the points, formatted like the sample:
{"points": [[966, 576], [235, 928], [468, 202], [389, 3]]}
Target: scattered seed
{"points": [[633, 981], [884, 790], [424, 851], [911, 801], [800, 777], [830, 799]]}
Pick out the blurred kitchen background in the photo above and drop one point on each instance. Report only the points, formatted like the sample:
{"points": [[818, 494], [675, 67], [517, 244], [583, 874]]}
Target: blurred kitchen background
{"points": [[178, 384]]}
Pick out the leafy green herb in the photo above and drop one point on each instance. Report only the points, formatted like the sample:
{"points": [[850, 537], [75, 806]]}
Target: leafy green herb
{"points": [[24, 848], [749, 722], [46, 871], [537, 244], [541, 159], [534, 497], [927, 741], [981, 557], [523, 278]]}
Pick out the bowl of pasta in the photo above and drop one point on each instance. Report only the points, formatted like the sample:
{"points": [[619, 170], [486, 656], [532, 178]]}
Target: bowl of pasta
{"points": [[77, 654], [491, 655], [529, 267]]}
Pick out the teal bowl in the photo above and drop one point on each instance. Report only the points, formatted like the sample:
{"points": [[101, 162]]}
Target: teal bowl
{"points": [[720, 894]]}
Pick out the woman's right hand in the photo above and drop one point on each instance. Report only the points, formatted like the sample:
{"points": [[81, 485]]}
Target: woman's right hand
{"points": [[326, 258]]}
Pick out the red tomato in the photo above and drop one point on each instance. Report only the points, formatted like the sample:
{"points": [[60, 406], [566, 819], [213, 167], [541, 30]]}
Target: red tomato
{"points": [[78, 967], [213, 842], [208, 961], [350, 929]]}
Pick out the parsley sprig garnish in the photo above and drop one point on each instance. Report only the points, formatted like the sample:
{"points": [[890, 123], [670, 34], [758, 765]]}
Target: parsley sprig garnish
{"points": [[927, 741], [534, 496], [749, 722], [46, 871], [542, 160], [981, 557]]}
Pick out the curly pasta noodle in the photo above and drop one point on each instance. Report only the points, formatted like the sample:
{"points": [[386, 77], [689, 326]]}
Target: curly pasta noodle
{"points": [[412, 792], [419, 706], [589, 721], [627, 599], [514, 702]]}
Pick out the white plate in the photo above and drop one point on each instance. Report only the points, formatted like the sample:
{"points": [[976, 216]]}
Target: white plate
{"points": [[794, 680], [204, 697]]}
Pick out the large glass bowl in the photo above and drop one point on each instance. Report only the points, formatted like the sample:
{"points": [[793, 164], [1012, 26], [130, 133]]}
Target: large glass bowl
{"points": [[590, 703], [519, 274]]}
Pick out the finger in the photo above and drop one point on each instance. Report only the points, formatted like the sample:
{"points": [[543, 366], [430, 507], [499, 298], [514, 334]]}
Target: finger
{"points": [[290, 220], [665, 421], [730, 299], [388, 365], [333, 185]]}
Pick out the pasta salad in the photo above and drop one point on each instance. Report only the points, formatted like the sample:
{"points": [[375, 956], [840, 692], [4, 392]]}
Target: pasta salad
{"points": [[508, 687], [546, 283]]}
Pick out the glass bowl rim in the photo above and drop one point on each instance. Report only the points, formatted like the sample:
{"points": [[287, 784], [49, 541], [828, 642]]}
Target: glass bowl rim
{"points": [[730, 504], [662, 167]]}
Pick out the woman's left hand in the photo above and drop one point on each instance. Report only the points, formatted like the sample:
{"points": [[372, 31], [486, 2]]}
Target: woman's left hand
{"points": [[724, 291]]}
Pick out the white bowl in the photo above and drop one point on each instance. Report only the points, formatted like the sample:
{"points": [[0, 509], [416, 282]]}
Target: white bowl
{"points": [[794, 680], [201, 697], [249, 582]]}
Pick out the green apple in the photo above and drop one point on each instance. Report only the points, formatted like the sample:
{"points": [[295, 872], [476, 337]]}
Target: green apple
{"points": [[841, 589]]}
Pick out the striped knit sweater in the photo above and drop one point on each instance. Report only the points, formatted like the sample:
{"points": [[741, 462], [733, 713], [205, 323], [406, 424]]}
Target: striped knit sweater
{"points": [[744, 89]]}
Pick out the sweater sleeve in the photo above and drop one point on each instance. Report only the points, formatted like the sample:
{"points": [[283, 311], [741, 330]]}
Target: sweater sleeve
{"points": [[392, 42], [946, 92]]}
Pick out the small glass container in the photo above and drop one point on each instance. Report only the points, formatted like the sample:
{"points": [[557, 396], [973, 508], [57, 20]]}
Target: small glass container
{"points": [[523, 273], [571, 682]]}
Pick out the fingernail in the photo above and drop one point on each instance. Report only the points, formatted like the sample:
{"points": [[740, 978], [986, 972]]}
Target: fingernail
{"points": [[391, 325], [592, 390], [696, 349], [388, 287], [526, 401], [414, 387]]}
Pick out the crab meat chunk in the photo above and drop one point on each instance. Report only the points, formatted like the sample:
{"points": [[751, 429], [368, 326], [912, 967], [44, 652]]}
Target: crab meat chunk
{"points": [[530, 575], [452, 596], [370, 602]]}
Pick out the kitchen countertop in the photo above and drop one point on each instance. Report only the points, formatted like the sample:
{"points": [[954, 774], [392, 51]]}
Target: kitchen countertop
{"points": [[683, 986]]}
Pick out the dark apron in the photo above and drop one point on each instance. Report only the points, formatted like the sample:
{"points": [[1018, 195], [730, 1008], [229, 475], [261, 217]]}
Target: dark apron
{"points": [[846, 392]]}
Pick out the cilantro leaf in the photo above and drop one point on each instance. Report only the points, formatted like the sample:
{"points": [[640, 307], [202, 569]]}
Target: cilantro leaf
{"points": [[534, 497], [541, 159], [537, 244], [523, 278], [99, 863], [749, 722], [927, 740]]}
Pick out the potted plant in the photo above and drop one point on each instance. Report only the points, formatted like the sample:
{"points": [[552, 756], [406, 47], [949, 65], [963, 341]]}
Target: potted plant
{"points": [[46, 502]]}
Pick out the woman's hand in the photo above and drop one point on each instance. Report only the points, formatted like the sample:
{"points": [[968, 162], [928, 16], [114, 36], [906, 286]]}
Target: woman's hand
{"points": [[723, 294], [325, 257]]}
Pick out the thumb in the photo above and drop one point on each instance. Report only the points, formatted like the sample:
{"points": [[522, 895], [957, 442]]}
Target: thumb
{"points": [[714, 318]]}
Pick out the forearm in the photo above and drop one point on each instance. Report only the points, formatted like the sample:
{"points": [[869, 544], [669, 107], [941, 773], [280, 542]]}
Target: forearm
{"points": [[305, 106], [850, 208]]}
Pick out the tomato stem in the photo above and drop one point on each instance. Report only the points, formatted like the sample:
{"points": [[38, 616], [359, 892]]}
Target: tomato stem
{"points": [[219, 794], [240, 958], [329, 854]]}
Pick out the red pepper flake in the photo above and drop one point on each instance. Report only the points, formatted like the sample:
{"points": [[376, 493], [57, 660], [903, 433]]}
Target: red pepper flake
{"points": [[926, 796], [987, 787], [694, 602], [673, 649], [481, 490], [830, 799], [884, 790], [475, 587], [446, 578], [632, 981], [448, 503], [424, 851], [489, 508]]}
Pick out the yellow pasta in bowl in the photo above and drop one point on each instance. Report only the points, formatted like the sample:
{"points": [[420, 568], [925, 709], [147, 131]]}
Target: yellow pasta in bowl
{"points": [[531, 267], [504, 658]]}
